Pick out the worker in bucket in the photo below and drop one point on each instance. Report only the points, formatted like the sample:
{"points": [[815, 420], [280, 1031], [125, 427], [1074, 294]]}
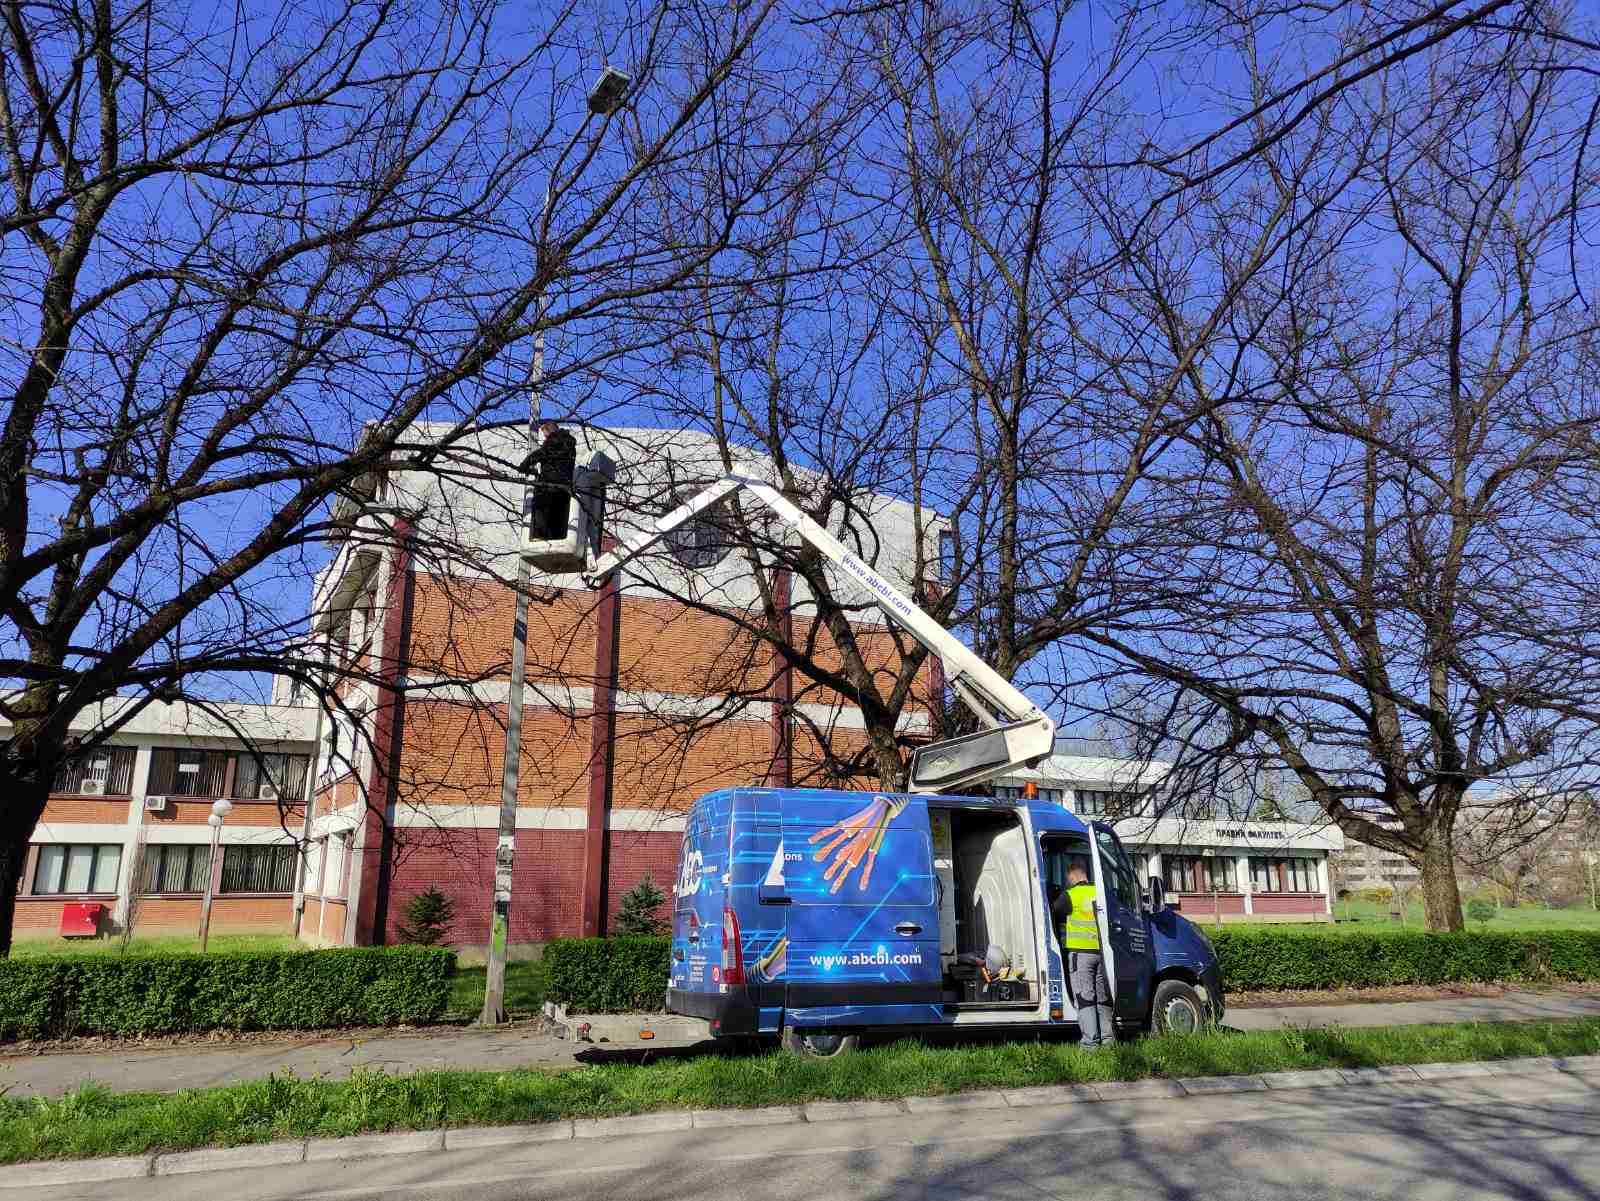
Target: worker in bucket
{"points": [[1086, 965], [557, 460]]}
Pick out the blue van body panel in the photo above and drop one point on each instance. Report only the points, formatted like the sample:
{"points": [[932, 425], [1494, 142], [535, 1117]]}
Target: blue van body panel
{"points": [[834, 901]]}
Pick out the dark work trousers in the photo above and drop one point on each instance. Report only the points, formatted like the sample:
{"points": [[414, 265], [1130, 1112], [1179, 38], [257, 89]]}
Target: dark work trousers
{"points": [[552, 507], [1086, 970]]}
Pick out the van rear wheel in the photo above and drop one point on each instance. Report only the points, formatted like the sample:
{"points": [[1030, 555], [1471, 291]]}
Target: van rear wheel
{"points": [[1178, 1008], [818, 1044]]}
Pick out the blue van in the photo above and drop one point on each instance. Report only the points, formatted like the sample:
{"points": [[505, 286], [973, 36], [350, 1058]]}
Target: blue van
{"points": [[816, 915]]}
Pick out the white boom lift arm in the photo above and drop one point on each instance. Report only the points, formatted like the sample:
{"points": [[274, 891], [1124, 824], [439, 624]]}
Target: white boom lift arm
{"points": [[1017, 732]]}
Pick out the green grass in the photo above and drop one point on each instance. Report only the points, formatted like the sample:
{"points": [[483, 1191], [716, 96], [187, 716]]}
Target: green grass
{"points": [[1367, 914], [93, 1121], [164, 944], [525, 989]]}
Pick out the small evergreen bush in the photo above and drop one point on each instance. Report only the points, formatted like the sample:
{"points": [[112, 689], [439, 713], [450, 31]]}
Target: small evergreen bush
{"points": [[640, 913], [428, 918]]}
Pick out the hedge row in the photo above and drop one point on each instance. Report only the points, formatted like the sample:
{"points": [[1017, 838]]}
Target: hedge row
{"points": [[607, 975], [619, 975], [1282, 959], [142, 994]]}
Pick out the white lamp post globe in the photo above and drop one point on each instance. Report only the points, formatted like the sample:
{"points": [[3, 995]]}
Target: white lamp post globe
{"points": [[221, 809], [214, 820]]}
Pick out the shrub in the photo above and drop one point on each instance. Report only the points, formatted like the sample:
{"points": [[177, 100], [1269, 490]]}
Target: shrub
{"points": [[607, 975], [620, 975], [428, 918], [1480, 910], [1377, 896], [1285, 959], [641, 909], [143, 994]]}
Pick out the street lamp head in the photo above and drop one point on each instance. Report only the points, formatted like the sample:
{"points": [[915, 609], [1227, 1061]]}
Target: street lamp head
{"points": [[606, 95], [221, 809]]}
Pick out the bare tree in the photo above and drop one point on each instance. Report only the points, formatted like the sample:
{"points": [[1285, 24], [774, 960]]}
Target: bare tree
{"points": [[1388, 577], [245, 253]]}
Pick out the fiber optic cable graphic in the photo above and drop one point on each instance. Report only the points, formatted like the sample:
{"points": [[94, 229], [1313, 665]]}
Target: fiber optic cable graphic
{"points": [[858, 837], [770, 966]]}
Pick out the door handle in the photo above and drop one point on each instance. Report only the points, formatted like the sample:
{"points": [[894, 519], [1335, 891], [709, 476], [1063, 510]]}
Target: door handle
{"points": [[908, 928], [778, 900]]}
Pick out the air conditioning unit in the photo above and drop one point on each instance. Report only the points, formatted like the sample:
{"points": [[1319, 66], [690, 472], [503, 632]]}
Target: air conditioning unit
{"points": [[157, 804], [92, 788], [268, 791]]}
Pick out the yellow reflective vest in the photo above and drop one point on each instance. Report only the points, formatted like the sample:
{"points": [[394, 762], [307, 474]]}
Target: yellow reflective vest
{"points": [[1080, 932]]}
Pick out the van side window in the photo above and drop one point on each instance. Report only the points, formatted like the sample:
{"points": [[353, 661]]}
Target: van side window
{"points": [[1119, 872]]}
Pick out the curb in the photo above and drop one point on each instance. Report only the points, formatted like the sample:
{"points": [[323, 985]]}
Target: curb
{"points": [[366, 1146]]}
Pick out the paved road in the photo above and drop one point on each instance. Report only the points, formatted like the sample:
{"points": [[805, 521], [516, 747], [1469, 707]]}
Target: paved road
{"points": [[207, 1065], [1522, 1137]]}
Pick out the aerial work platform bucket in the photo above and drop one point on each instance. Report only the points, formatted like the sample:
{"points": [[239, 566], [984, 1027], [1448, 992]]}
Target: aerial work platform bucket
{"points": [[569, 555]]}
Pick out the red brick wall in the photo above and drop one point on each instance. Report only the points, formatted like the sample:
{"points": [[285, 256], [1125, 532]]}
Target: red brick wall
{"points": [[1289, 903], [631, 853], [43, 914], [268, 914], [73, 809], [1197, 905], [547, 889], [37, 915]]}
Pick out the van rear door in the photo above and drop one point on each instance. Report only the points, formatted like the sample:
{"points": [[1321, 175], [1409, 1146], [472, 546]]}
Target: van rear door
{"points": [[863, 928], [699, 896]]}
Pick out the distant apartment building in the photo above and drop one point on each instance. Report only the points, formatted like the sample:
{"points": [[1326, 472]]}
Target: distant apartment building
{"points": [[124, 831], [1360, 867]]}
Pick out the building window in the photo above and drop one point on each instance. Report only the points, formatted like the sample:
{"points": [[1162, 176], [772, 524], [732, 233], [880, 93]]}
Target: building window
{"points": [[258, 869], [1199, 873], [701, 542], [77, 869], [1102, 802], [106, 771], [1294, 874], [175, 772], [1013, 792], [285, 776], [176, 869]]}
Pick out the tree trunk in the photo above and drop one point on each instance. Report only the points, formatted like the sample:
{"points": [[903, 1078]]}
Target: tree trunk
{"points": [[886, 758], [19, 817], [1440, 895], [13, 856]]}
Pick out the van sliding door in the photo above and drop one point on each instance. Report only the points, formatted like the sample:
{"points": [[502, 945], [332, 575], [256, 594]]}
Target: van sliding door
{"points": [[863, 924]]}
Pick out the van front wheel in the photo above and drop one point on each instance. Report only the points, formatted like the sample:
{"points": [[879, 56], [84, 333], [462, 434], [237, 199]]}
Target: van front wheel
{"points": [[1178, 1008], [818, 1044]]}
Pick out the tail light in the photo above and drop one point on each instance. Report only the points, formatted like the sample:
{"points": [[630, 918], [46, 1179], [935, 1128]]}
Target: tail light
{"points": [[732, 949]]}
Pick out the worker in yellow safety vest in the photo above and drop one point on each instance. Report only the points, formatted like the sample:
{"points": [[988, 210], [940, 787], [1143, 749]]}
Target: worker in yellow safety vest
{"points": [[1086, 965]]}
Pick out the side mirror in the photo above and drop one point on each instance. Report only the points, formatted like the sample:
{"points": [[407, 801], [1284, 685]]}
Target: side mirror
{"points": [[1157, 894]]}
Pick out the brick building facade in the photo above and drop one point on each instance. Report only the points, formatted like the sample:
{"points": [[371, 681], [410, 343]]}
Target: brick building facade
{"points": [[125, 832], [639, 697]]}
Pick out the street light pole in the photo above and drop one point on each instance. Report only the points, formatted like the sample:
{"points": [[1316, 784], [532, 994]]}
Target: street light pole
{"points": [[604, 99], [219, 810]]}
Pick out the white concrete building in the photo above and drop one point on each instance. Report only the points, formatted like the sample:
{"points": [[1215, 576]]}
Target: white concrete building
{"points": [[1218, 869]]}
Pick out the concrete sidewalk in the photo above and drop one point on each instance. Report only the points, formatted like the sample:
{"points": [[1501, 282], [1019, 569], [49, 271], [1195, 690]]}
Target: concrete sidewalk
{"points": [[169, 1069]]}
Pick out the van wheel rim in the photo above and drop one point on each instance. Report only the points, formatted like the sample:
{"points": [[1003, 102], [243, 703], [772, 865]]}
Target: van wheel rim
{"points": [[1182, 1018], [823, 1044]]}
